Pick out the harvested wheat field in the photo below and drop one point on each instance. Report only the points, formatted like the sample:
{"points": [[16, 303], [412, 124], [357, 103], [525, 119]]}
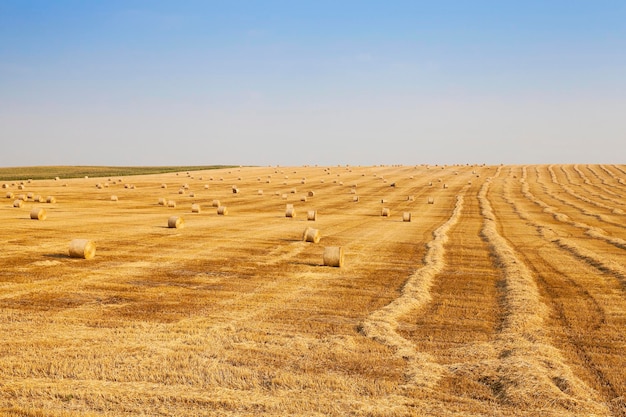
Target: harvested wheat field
{"points": [[504, 295]]}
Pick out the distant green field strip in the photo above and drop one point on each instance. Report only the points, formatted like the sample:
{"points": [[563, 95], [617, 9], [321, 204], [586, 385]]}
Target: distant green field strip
{"points": [[50, 172]]}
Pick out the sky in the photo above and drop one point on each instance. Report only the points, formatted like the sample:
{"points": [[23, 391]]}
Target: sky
{"points": [[128, 82]]}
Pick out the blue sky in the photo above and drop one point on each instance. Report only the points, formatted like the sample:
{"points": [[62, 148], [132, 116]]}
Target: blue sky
{"points": [[312, 82]]}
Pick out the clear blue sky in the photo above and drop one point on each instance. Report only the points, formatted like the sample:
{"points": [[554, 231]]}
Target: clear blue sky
{"points": [[312, 82]]}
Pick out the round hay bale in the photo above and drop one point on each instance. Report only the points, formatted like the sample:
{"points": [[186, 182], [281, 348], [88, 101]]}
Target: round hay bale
{"points": [[206, 186], [171, 203], [260, 192], [284, 196], [406, 216], [162, 201], [175, 222], [195, 208], [215, 203], [181, 191], [235, 190], [30, 196], [10, 195], [38, 214], [82, 248], [99, 186], [192, 194], [445, 185], [113, 198], [18, 203], [5, 185], [385, 212], [222, 211], [20, 187], [355, 198], [311, 193], [431, 200], [311, 215], [303, 198], [383, 201], [430, 184], [22, 197], [293, 191], [290, 212], [311, 235], [185, 186], [38, 199], [163, 185], [333, 256], [51, 199], [352, 190]]}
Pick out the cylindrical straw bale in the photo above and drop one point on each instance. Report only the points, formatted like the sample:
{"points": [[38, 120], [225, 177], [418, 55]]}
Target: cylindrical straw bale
{"points": [[171, 203], [162, 201], [311, 215], [10, 195], [385, 212], [38, 214], [284, 196], [260, 192], [113, 198], [206, 186], [311, 193], [195, 208], [175, 222], [5, 185], [311, 235], [192, 194], [333, 256], [355, 198], [235, 190], [431, 200], [99, 186], [22, 197], [445, 185], [18, 203], [290, 212], [222, 211], [38, 199], [82, 248], [181, 191], [406, 216], [383, 201], [30, 195], [215, 203], [20, 187], [293, 191], [410, 198], [51, 199], [303, 198], [163, 185]]}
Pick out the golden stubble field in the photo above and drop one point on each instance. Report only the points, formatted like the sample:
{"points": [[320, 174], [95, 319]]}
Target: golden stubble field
{"points": [[505, 297]]}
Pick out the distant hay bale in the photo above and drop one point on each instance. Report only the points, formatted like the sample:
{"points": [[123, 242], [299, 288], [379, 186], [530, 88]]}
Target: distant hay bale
{"points": [[163, 185], [185, 186], [352, 190], [259, 192], [383, 201], [38, 214], [355, 199], [18, 203], [162, 201], [385, 212], [206, 186], [51, 199], [10, 195], [311, 235], [20, 187], [5, 185], [333, 256], [30, 196], [86, 177], [290, 212], [311, 215], [393, 184], [57, 178], [22, 197], [222, 211], [99, 186], [303, 198], [406, 216], [175, 222], [267, 181], [445, 185], [171, 203], [192, 194], [181, 191], [284, 196], [430, 184], [113, 198], [410, 198], [311, 193], [38, 199], [126, 185], [215, 203], [293, 191], [82, 248], [195, 208], [235, 190]]}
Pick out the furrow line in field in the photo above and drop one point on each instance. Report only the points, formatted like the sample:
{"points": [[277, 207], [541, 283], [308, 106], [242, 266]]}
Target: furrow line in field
{"points": [[612, 174], [530, 371], [606, 188], [382, 324]]}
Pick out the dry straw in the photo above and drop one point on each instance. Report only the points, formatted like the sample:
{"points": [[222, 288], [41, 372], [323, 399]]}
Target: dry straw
{"points": [[385, 212], [18, 203], [10, 195], [195, 208], [215, 203], [82, 248], [311, 215], [38, 214], [333, 256], [51, 199], [406, 216], [175, 222], [290, 212], [311, 235], [222, 211]]}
